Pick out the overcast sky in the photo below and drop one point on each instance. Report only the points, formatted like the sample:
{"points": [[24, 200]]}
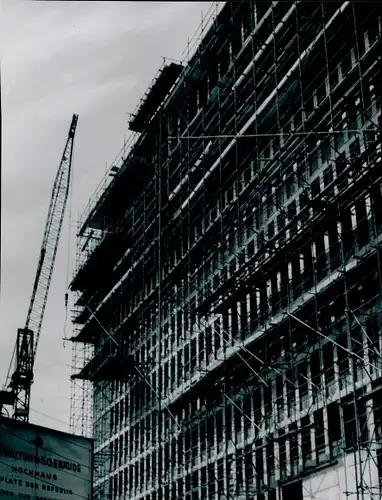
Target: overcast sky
{"points": [[58, 58]]}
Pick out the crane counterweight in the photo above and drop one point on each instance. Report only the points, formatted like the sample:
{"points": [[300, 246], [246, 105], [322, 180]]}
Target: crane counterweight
{"points": [[18, 389]]}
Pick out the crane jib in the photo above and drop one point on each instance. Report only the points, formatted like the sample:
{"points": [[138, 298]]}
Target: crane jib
{"points": [[19, 384]]}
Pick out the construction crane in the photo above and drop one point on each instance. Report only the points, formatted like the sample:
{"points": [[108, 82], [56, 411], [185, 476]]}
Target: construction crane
{"points": [[18, 386]]}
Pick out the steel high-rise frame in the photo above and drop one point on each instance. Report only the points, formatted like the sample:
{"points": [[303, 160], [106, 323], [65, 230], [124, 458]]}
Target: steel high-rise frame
{"points": [[229, 278]]}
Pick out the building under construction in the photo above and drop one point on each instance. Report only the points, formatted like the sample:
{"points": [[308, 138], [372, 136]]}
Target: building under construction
{"points": [[228, 289]]}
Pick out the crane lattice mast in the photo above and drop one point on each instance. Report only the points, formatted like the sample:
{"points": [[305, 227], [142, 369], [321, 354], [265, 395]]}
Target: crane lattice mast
{"points": [[19, 386]]}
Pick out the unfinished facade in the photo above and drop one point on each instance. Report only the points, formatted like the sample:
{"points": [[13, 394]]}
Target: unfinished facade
{"points": [[228, 306]]}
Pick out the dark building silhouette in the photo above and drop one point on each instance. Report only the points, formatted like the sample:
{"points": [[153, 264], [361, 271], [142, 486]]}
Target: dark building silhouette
{"points": [[229, 278]]}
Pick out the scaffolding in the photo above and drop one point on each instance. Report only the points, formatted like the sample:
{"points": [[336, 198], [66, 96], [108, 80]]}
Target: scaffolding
{"points": [[229, 282]]}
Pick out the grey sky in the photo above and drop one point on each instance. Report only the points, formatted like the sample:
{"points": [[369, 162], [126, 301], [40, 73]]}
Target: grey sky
{"points": [[58, 58]]}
